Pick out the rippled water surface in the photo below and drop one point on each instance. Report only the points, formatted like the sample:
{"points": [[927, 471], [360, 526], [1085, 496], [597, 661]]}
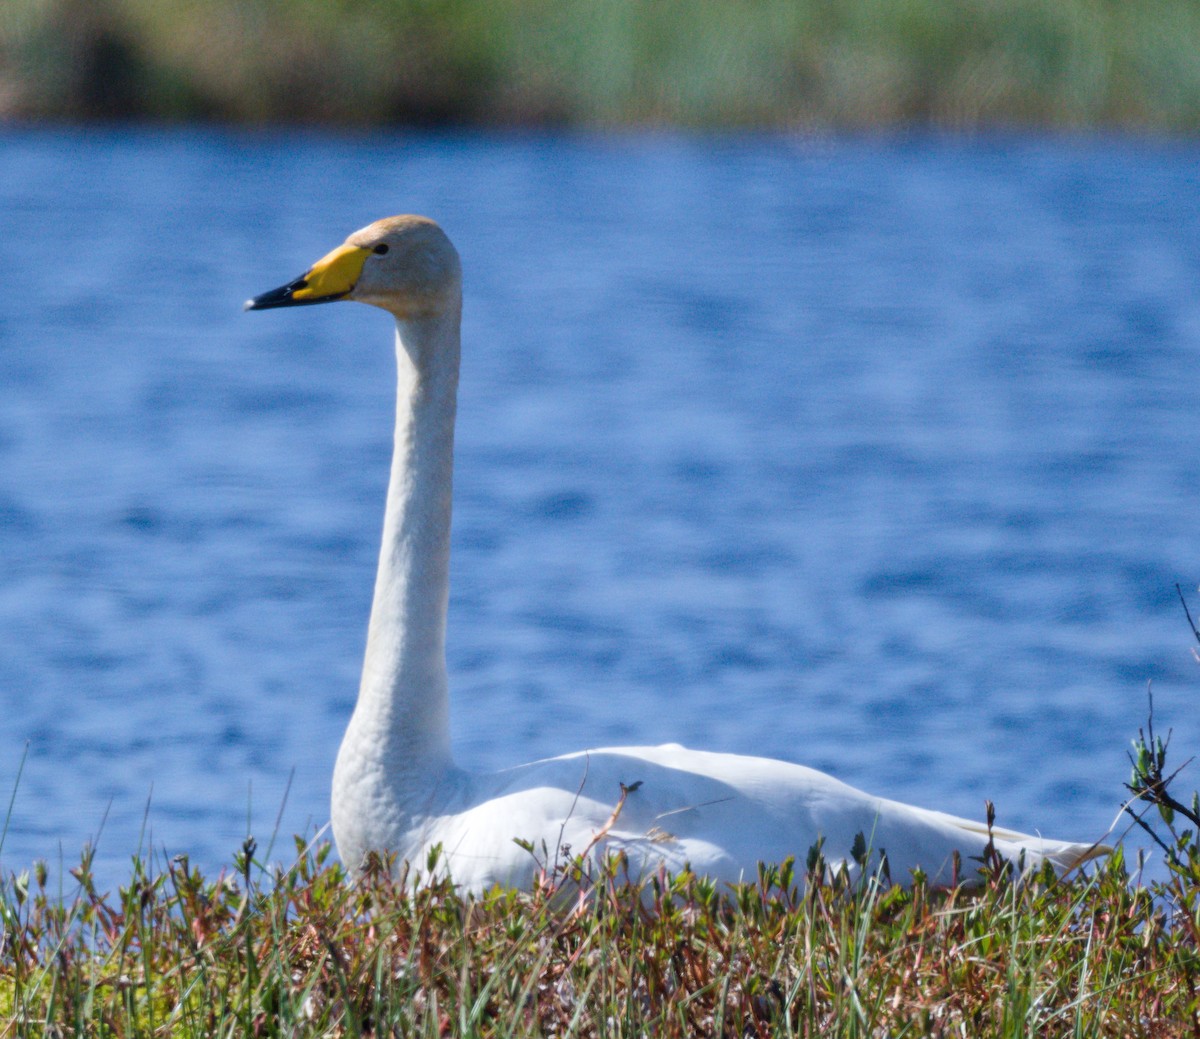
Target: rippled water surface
{"points": [[877, 456]]}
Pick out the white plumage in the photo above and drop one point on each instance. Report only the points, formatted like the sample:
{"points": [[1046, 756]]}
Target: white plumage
{"points": [[396, 788]]}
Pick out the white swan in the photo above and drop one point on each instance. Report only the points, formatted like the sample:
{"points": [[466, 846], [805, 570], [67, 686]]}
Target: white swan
{"points": [[396, 787]]}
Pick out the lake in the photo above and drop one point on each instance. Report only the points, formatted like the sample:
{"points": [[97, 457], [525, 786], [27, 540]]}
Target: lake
{"points": [[879, 455]]}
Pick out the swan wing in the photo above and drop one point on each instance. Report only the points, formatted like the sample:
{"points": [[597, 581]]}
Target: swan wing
{"points": [[718, 814]]}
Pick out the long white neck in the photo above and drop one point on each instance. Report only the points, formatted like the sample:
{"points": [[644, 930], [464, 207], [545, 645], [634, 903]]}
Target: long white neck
{"points": [[403, 699]]}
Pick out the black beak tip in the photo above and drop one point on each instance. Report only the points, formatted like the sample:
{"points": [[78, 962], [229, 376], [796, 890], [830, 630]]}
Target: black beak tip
{"points": [[280, 297], [284, 297]]}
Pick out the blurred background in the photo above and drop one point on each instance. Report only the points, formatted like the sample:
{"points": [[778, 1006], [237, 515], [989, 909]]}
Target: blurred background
{"points": [[787, 64], [828, 393]]}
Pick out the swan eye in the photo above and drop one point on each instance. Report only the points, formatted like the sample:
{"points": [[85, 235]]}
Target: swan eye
{"points": [[381, 248]]}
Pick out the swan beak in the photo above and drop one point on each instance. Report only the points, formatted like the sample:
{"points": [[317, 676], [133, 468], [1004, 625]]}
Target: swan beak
{"points": [[331, 278]]}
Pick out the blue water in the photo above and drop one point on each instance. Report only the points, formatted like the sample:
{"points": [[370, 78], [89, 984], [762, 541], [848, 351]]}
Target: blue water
{"points": [[880, 456]]}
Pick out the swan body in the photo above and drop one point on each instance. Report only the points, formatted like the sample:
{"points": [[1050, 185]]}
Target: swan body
{"points": [[396, 788]]}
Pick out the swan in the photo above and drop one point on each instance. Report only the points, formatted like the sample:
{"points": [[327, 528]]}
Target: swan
{"points": [[396, 787]]}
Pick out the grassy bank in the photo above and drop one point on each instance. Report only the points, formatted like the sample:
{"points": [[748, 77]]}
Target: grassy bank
{"points": [[776, 63], [308, 953]]}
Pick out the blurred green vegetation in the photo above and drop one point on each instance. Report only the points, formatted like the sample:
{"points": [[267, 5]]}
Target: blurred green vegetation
{"points": [[742, 63]]}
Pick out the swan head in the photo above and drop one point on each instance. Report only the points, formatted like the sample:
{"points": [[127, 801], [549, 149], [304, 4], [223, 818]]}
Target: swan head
{"points": [[404, 264]]}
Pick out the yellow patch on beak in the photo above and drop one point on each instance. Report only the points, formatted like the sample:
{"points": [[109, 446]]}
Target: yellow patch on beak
{"points": [[333, 275]]}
